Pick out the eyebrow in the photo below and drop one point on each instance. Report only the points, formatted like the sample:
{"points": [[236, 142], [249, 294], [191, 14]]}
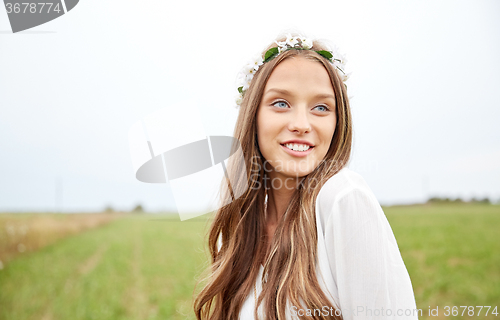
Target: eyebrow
{"points": [[286, 92]]}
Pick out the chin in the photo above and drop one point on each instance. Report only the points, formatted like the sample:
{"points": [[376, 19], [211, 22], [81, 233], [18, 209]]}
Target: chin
{"points": [[298, 174]]}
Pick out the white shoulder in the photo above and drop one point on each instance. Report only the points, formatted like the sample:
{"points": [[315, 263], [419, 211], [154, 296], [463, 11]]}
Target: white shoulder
{"points": [[341, 186], [362, 252]]}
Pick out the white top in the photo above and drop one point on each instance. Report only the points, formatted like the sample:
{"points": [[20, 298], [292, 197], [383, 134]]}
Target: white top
{"points": [[359, 263]]}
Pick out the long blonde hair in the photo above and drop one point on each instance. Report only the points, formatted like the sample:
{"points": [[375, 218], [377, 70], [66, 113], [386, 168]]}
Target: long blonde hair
{"points": [[290, 268]]}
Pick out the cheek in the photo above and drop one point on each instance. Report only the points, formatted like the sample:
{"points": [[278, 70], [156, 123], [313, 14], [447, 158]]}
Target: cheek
{"points": [[263, 140], [265, 128], [327, 137], [328, 130], [332, 133]]}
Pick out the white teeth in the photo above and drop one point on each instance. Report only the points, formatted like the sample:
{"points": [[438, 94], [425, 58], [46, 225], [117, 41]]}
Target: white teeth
{"points": [[297, 147]]}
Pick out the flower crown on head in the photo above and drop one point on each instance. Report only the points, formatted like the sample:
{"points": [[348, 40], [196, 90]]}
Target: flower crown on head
{"points": [[292, 42]]}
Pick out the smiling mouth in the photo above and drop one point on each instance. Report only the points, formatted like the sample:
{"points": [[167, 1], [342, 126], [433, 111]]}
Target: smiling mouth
{"points": [[297, 147]]}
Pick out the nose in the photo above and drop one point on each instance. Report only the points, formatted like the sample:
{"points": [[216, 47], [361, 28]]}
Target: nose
{"points": [[299, 121]]}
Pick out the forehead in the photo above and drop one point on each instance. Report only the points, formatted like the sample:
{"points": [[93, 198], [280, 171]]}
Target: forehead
{"points": [[299, 73]]}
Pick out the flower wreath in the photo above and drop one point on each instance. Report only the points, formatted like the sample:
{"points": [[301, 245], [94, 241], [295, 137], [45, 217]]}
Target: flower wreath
{"points": [[299, 43]]}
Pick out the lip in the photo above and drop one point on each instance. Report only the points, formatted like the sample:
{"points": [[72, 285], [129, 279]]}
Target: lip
{"points": [[297, 141], [299, 154]]}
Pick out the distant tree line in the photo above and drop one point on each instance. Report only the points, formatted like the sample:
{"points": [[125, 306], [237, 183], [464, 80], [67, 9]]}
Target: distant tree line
{"points": [[458, 200], [136, 209]]}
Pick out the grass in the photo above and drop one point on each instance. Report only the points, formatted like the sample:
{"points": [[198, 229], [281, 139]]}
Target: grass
{"points": [[452, 254], [27, 232], [132, 268], [145, 267]]}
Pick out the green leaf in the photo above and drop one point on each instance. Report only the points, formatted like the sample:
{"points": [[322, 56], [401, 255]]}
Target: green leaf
{"points": [[270, 54], [240, 89], [326, 54]]}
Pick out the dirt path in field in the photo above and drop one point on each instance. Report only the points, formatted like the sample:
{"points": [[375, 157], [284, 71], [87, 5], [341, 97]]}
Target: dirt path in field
{"points": [[83, 269], [93, 261], [136, 300], [47, 315], [20, 233]]}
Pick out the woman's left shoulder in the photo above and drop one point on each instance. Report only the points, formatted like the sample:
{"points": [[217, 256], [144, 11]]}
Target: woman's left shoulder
{"points": [[341, 183], [344, 184]]}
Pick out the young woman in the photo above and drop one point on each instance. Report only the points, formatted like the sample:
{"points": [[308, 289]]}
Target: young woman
{"points": [[308, 238]]}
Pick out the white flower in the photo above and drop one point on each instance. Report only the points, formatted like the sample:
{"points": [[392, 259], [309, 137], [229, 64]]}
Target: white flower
{"points": [[240, 80], [280, 44], [246, 75], [248, 78], [238, 99], [346, 76], [248, 68], [306, 43], [291, 41], [241, 75], [257, 62]]}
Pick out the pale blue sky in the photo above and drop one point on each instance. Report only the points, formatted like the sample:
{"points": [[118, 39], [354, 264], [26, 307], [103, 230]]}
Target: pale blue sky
{"points": [[424, 87]]}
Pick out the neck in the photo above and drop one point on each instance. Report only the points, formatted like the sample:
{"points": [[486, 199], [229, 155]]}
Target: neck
{"points": [[278, 200]]}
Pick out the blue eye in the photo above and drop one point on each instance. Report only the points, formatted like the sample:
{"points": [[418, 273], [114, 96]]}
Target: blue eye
{"points": [[324, 108], [280, 104]]}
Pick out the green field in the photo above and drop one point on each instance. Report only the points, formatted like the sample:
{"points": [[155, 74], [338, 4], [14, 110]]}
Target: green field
{"points": [[146, 266], [452, 253]]}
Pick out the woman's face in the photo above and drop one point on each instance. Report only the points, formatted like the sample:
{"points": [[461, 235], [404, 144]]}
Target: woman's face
{"points": [[295, 119]]}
